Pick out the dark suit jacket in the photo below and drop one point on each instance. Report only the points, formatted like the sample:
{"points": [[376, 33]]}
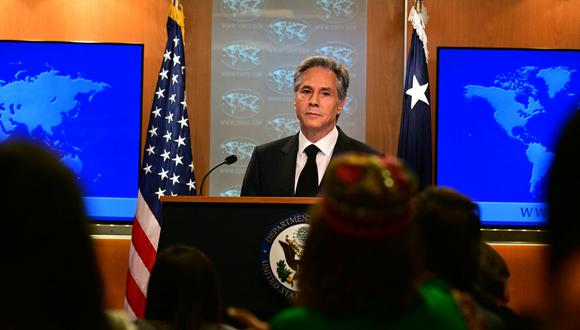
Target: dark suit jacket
{"points": [[273, 165]]}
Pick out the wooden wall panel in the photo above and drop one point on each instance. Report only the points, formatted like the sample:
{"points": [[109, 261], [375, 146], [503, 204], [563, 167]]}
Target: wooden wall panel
{"points": [[384, 94], [198, 56], [527, 284], [526, 263], [113, 256]]}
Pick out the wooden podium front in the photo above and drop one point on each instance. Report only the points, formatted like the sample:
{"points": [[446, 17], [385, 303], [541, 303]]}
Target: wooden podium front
{"points": [[230, 231]]}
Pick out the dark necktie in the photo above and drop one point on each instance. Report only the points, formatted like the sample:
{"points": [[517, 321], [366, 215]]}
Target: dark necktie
{"points": [[308, 180]]}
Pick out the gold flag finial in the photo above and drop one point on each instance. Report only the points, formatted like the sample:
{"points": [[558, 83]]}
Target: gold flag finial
{"points": [[176, 13]]}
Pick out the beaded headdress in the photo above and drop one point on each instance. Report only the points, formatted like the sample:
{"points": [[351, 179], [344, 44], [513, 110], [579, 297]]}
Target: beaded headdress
{"points": [[366, 196]]}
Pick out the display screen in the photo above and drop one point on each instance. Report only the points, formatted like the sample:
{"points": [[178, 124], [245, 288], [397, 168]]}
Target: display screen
{"points": [[83, 101], [499, 114]]}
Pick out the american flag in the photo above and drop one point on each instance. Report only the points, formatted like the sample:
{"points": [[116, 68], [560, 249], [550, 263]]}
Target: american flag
{"points": [[415, 134], [167, 167]]}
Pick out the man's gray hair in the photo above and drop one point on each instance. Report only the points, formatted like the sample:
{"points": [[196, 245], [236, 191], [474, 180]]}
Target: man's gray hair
{"points": [[327, 63]]}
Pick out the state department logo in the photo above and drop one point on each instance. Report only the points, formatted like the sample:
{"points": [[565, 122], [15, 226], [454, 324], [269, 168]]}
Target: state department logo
{"points": [[241, 56], [282, 126], [340, 52], [239, 146], [241, 103], [336, 11], [288, 32], [281, 251], [281, 80], [242, 10]]}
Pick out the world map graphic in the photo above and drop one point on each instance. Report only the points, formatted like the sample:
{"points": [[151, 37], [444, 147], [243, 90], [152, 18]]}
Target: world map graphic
{"points": [[41, 107], [523, 102], [499, 115]]}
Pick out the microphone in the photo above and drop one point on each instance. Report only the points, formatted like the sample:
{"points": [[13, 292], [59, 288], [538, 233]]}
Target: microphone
{"points": [[228, 161]]}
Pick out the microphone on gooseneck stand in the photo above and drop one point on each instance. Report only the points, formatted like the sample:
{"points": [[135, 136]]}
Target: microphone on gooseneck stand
{"points": [[228, 161]]}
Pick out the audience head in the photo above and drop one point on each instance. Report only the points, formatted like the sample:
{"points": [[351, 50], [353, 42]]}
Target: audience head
{"points": [[491, 284], [183, 290], [359, 254], [50, 276], [449, 227]]}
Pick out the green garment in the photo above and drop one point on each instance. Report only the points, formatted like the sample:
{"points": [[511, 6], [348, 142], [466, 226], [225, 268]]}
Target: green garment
{"points": [[436, 311]]}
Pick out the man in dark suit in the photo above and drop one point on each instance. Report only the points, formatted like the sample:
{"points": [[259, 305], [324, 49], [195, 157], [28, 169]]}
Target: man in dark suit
{"points": [[295, 165]]}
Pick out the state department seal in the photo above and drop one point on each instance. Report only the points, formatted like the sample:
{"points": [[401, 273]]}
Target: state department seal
{"points": [[281, 251]]}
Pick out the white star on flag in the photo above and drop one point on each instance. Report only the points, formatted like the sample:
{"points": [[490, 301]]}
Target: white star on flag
{"points": [[174, 178], [167, 55], [417, 92], [160, 93], [151, 150], [191, 185], [176, 59], [163, 74], [177, 160], [163, 174], [160, 193], [147, 168], [165, 155], [183, 122], [180, 141], [167, 136], [184, 102]]}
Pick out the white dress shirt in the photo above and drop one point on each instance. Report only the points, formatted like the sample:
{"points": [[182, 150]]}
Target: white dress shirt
{"points": [[326, 146]]}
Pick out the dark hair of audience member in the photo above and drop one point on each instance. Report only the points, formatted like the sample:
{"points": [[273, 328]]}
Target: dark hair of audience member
{"points": [[359, 256], [50, 275], [183, 290], [449, 228], [563, 232], [491, 283]]}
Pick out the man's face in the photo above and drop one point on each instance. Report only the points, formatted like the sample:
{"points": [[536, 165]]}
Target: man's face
{"points": [[316, 102]]}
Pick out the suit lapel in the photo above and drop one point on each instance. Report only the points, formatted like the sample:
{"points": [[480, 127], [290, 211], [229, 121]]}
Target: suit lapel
{"points": [[342, 143], [288, 169]]}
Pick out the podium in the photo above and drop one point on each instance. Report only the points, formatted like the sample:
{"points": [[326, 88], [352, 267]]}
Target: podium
{"points": [[230, 231]]}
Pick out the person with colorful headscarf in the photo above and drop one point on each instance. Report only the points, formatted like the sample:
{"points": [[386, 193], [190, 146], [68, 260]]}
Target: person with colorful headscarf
{"points": [[360, 265]]}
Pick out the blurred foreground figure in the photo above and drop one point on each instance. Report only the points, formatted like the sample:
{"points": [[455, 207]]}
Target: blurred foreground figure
{"points": [[563, 195], [50, 278]]}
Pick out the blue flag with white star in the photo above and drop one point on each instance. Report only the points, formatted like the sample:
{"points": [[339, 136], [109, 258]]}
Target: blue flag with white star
{"points": [[415, 134]]}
